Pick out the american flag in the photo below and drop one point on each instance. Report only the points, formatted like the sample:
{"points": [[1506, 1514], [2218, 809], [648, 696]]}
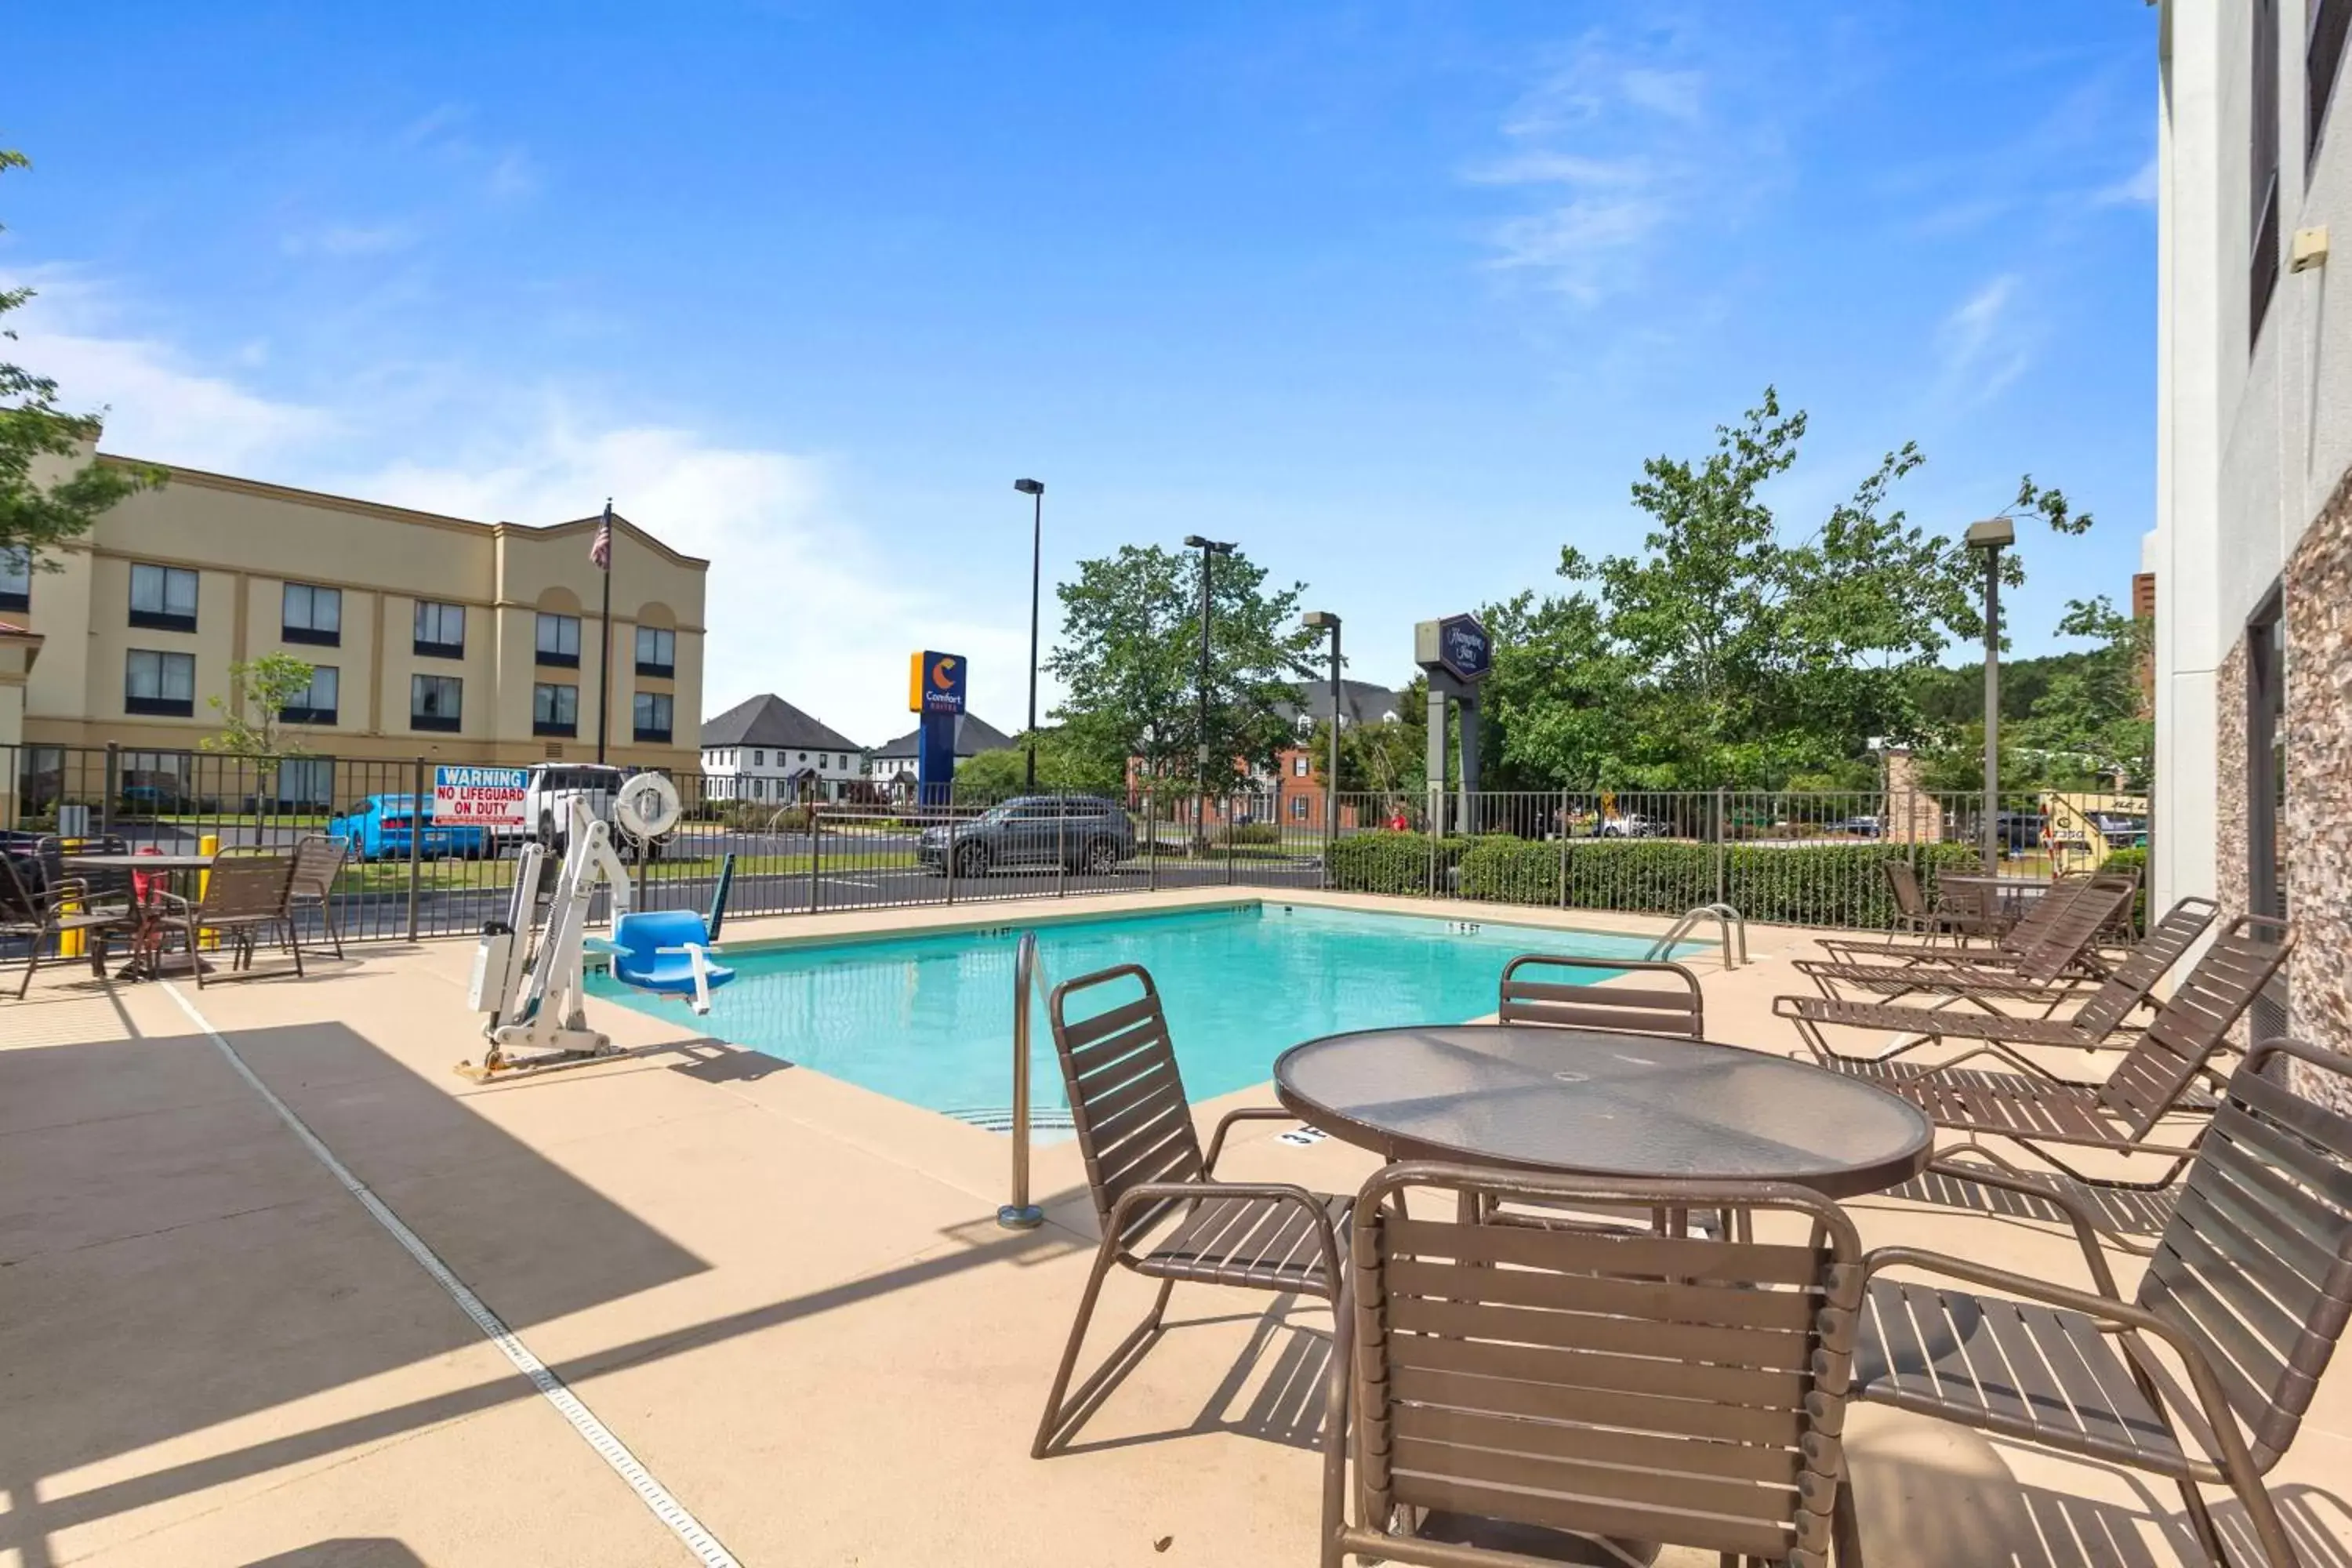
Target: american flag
{"points": [[600, 553]]}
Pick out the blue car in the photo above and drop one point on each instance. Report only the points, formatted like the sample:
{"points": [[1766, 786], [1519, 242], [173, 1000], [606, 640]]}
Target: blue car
{"points": [[378, 828]]}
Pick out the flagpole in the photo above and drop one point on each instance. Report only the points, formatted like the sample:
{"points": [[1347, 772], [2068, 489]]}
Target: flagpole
{"points": [[604, 634]]}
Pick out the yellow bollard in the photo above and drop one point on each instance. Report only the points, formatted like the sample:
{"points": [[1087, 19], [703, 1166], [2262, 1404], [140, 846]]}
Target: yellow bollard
{"points": [[69, 943], [207, 847]]}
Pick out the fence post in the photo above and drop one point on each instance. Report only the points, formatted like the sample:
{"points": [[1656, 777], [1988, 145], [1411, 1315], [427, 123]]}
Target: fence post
{"points": [[817, 852], [1722, 798], [951, 849], [415, 839], [1061, 846], [1562, 821], [1151, 839], [1229, 841], [113, 787]]}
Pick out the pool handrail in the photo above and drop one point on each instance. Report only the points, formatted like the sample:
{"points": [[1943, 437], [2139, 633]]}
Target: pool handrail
{"points": [[1728, 921], [1021, 1214]]}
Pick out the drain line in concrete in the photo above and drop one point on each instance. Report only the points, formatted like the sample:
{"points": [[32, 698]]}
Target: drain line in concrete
{"points": [[598, 1436]]}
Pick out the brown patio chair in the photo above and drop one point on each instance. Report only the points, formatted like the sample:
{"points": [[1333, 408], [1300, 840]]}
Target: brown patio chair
{"points": [[37, 906], [247, 894], [2153, 1081], [2249, 1290], [2090, 1027], [2008, 938], [2053, 968], [1675, 1008], [318, 861], [1146, 1170], [1512, 1386]]}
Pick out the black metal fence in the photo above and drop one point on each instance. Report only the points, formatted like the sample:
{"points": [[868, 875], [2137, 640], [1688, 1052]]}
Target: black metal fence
{"points": [[1808, 857]]}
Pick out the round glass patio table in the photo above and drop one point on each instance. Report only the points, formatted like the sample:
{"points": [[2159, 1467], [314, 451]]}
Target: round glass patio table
{"points": [[1539, 1097]]}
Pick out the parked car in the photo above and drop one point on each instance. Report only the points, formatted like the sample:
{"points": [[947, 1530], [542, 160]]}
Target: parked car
{"points": [[2018, 831], [1630, 824], [1860, 826], [551, 789], [378, 827], [2122, 830], [1082, 832]]}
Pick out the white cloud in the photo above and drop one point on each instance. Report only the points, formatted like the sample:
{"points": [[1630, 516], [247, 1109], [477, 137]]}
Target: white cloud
{"points": [[2135, 190], [1981, 346]]}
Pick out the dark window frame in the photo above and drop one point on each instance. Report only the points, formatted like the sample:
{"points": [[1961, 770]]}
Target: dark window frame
{"points": [[655, 702], [165, 620], [555, 657], [661, 669], [319, 636], [2266, 694], [2327, 23], [556, 727], [442, 723], [435, 647], [2262, 152], [159, 706], [304, 713], [15, 565]]}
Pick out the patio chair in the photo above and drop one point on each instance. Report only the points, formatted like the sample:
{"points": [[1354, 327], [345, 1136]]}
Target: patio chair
{"points": [[1510, 1386], [1673, 1009], [1144, 1167], [317, 861], [2249, 1290], [2009, 939], [37, 907], [2121, 1115], [2054, 967], [247, 894], [2090, 1027]]}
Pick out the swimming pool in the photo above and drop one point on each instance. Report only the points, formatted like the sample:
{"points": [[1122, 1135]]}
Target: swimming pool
{"points": [[929, 1019]]}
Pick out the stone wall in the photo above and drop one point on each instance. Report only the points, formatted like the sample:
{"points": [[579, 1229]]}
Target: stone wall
{"points": [[1913, 816], [2230, 826], [2318, 826]]}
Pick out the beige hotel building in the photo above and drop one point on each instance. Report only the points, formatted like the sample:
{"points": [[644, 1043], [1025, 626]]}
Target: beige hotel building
{"points": [[432, 637]]}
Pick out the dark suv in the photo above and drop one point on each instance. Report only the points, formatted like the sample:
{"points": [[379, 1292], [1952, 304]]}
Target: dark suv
{"points": [[1082, 832]]}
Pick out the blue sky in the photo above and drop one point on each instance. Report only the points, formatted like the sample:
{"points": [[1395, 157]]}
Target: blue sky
{"points": [[1398, 295]]}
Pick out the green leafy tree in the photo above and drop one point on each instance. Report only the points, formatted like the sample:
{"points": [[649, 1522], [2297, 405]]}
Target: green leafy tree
{"points": [[260, 690], [1061, 766], [1380, 758], [1731, 651], [36, 516], [1129, 661]]}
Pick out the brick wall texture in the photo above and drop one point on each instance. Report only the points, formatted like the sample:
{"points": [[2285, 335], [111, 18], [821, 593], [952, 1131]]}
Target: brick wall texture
{"points": [[2318, 826]]}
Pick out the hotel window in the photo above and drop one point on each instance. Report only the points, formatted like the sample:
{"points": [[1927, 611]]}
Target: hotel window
{"points": [[2266, 782], [759, 789], [164, 598], [440, 629], [759, 759], [2322, 53], [1298, 767], [306, 783], [559, 640], [318, 705], [651, 714], [436, 701], [159, 683], [2263, 149], [656, 651], [554, 710], [1298, 806], [15, 580], [312, 615]]}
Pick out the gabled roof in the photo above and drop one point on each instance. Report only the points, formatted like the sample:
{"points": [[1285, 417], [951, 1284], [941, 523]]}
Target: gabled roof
{"points": [[1360, 701], [769, 720], [973, 736]]}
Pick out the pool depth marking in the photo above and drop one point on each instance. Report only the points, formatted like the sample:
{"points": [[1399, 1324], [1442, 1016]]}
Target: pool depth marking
{"points": [[599, 1436]]}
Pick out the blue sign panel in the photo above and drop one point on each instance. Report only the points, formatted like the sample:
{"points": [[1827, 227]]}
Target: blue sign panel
{"points": [[1464, 647], [936, 683]]}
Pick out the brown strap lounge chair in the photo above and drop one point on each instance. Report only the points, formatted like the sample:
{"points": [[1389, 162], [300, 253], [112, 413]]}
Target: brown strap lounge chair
{"points": [[2121, 1115], [2060, 965], [245, 894], [2250, 1289], [1145, 1168], [1672, 1007], [2090, 1027], [1548, 1383], [1918, 923]]}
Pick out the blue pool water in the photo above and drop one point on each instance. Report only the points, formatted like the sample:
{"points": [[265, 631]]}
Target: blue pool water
{"points": [[927, 1019]]}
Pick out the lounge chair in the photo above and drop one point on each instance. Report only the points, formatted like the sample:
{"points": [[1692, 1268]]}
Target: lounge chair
{"points": [[44, 905], [1145, 1168], [2090, 1027], [2122, 1114], [247, 894], [1551, 1382], [2052, 973], [1676, 1009], [2007, 940], [2250, 1289]]}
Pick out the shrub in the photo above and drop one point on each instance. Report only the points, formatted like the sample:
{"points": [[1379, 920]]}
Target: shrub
{"points": [[1388, 862], [2134, 862], [1246, 833]]}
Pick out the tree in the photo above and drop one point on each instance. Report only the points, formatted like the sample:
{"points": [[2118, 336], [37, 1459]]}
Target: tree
{"points": [[1378, 758], [1727, 652], [267, 687], [1060, 767], [1129, 659], [35, 517]]}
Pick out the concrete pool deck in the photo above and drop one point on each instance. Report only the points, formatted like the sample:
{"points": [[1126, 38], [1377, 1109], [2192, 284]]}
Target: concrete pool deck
{"points": [[786, 1296]]}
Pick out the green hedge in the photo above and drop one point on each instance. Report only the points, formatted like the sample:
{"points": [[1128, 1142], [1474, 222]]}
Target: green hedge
{"points": [[2136, 862], [1814, 884]]}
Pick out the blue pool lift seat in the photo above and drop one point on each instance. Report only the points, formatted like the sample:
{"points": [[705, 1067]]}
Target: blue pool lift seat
{"points": [[667, 951]]}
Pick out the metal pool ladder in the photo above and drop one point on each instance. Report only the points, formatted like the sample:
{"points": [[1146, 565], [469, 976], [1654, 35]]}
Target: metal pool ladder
{"points": [[1021, 1214], [1729, 922]]}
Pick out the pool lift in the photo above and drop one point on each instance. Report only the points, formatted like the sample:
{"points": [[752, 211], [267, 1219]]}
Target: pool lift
{"points": [[531, 969]]}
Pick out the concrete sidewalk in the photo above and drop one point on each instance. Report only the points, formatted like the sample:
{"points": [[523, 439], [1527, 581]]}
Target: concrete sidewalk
{"points": [[786, 1295]]}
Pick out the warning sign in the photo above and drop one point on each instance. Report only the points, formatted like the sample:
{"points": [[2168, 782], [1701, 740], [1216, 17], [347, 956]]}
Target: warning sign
{"points": [[484, 797]]}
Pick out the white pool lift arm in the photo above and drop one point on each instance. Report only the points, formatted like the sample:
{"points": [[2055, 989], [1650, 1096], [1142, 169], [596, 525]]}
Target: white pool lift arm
{"points": [[533, 991]]}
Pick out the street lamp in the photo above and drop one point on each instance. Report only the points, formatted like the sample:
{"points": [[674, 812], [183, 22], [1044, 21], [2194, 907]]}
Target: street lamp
{"points": [[1993, 538], [1324, 620], [1035, 490], [1208, 548]]}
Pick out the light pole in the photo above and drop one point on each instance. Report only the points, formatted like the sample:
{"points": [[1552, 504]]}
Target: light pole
{"points": [[1993, 538], [1035, 490], [1324, 620], [1208, 548]]}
